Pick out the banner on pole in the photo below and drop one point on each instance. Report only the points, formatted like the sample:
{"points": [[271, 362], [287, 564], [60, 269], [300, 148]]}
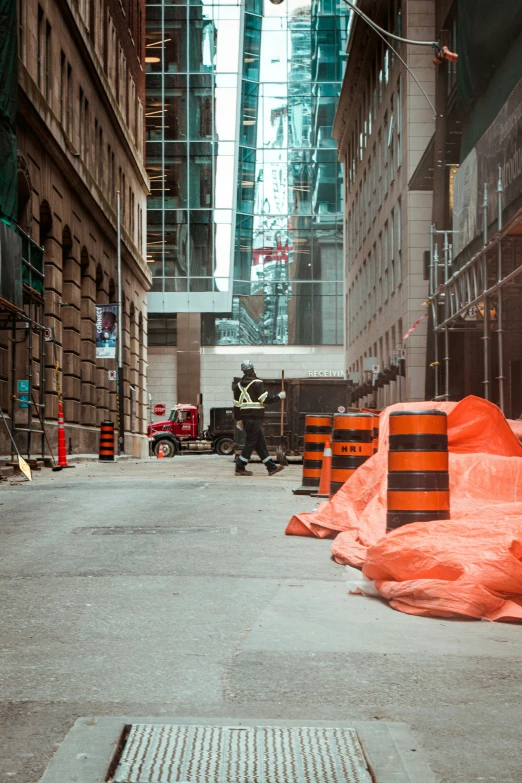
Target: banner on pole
{"points": [[414, 326], [106, 331]]}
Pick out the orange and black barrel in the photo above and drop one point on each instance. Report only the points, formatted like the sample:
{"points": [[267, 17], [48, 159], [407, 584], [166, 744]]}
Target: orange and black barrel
{"points": [[418, 478], [318, 429], [376, 422], [106, 453], [352, 444]]}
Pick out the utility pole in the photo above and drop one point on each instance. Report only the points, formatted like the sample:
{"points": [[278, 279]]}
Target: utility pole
{"points": [[119, 374]]}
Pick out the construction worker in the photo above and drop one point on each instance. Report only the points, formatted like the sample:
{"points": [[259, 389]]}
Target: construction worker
{"points": [[250, 398]]}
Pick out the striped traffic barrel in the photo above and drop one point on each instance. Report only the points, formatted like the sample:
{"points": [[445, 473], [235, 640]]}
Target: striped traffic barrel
{"points": [[106, 453], [352, 444], [418, 478], [318, 429]]}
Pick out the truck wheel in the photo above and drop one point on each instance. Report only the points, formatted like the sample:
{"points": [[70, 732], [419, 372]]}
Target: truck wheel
{"points": [[169, 448], [225, 446]]}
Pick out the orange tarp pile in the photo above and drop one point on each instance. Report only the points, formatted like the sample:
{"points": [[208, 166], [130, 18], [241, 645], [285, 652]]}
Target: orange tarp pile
{"points": [[470, 565]]}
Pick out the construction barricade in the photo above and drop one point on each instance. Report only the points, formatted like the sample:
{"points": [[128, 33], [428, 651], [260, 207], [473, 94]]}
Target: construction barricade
{"points": [[352, 444], [106, 451], [318, 430], [418, 478]]}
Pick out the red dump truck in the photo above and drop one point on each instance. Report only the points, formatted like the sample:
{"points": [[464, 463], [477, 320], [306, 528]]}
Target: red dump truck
{"points": [[183, 431]]}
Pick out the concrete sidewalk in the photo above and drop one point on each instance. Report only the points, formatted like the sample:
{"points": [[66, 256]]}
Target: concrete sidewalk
{"points": [[168, 588]]}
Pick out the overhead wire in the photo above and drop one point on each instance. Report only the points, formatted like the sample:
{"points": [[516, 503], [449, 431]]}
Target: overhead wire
{"points": [[391, 35]]}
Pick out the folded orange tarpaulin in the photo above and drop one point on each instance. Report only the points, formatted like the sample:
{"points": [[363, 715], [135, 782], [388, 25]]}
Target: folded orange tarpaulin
{"points": [[486, 490]]}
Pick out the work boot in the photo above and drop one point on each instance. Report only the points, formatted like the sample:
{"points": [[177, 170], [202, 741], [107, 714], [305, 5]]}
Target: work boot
{"points": [[243, 472], [275, 469]]}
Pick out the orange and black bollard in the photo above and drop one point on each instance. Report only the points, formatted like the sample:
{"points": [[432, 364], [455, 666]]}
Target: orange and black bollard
{"points": [[351, 446], [418, 478], [318, 430], [106, 441]]}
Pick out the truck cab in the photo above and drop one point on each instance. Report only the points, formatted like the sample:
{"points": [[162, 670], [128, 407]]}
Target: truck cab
{"points": [[183, 422]]}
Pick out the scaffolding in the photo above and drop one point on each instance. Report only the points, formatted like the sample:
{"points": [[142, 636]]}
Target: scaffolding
{"points": [[25, 325], [475, 289]]}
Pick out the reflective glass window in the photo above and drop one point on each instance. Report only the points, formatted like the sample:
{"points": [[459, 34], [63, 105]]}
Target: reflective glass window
{"points": [[252, 47], [201, 45], [201, 241], [200, 180], [174, 40], [200, 107]]}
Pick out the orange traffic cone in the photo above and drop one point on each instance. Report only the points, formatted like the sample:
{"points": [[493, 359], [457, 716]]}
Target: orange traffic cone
{"points": [[160, 452], [62, 450], [326, 472]]}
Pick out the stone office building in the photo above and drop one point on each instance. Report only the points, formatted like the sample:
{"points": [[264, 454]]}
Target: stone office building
{"points": [[383, 126], [80, 139]]}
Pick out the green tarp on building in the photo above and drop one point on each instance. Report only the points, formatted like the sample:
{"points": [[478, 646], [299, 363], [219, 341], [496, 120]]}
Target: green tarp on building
{"points": [[489, 44], [8, 108]]}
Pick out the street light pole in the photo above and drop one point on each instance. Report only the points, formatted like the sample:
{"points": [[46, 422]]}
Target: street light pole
{"points": [[119, 375]]}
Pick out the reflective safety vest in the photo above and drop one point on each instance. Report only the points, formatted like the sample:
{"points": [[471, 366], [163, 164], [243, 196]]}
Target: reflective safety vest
{"points": [[245, 402]]}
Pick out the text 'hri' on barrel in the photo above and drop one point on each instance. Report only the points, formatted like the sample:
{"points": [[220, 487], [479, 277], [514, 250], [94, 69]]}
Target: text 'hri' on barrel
{"points": [[318, 429], [106, 453], [418, 478], [352, 444]]}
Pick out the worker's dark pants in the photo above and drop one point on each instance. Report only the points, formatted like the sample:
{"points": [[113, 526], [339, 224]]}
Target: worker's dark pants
{"points": [[255, 441]]}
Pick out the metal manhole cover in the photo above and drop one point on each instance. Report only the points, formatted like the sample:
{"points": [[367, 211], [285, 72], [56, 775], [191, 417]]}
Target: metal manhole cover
{"points": [[125, 530], [269, 754]]}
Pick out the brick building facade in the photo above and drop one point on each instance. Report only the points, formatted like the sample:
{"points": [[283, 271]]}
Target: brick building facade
{"points": [[80, 140]]}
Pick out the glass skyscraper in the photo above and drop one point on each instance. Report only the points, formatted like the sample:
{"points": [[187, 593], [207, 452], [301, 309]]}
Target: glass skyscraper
{"points": [[245, 213]]}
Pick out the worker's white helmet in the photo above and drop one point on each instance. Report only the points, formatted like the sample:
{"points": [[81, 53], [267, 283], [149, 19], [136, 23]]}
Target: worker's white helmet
{"points": [[247, 366]]}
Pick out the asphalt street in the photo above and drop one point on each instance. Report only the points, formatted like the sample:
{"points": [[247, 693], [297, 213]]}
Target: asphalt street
{"points": [[169, 588]]}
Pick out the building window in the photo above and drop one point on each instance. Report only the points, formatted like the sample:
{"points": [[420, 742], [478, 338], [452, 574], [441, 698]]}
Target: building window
{"points": [[112, 172], [399, 122], [392, 251], [98, 27], [399, 242], [48, 62], [139, 130], [380, 78], [140, 229], [86, 130], [391, 141], [162, 330], [62, 88], [385, 154], [65, 94], [111, 52], [385, 254], [68, 82], [122, 80], [379, 167], [101, 167], [132, 107], [82, 123], [374, 277], [40, 49], [379, 271]]}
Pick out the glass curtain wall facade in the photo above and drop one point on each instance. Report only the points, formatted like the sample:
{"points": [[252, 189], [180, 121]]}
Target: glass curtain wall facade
{"points": [[245, 216], [193, 78]]}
